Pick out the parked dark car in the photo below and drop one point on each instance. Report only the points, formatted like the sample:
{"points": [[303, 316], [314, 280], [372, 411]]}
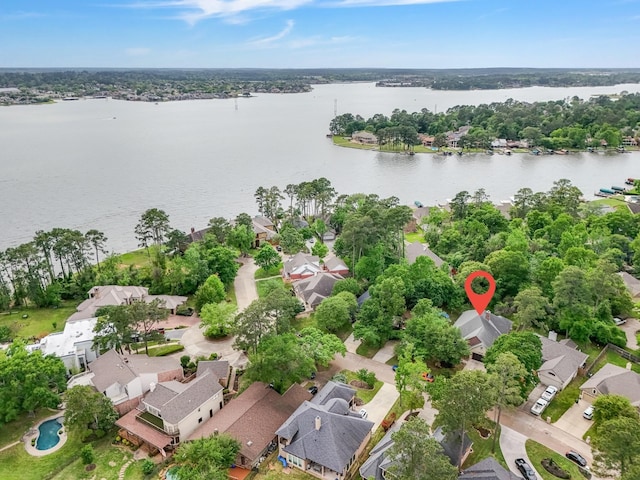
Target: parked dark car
{"points": [[313, 390], [576, 457], [525, 469]]}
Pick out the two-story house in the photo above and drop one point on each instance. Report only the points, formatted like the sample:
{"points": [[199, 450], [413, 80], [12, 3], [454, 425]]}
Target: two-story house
{"points": [[171, 412]]}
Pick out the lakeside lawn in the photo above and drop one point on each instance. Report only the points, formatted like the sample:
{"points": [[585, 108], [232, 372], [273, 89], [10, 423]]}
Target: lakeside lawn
{"points": [[537, 452], [610, 202], [137, 258], [39, 321]]}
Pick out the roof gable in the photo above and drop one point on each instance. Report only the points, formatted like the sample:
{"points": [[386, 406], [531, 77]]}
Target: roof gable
{"points": [[560, 359], [487, 469], [487, 327]]}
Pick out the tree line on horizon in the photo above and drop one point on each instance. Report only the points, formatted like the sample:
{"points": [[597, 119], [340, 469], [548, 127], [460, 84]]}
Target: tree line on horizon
{"points": [[572, 124]]}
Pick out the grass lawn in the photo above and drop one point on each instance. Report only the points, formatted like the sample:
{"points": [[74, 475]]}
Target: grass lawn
{"points": [[13, 431], [344, 142], [39, 322], [564, 400], [304, 322], [414, 237], [108, 460], [273, 471], [367, 350], [613, 357], [263, 285], [17, 464], [482, 449], [399, 407], [537, 452], [364, 394], [165, 350], [271, 272], [611, 202], [137, 258]]}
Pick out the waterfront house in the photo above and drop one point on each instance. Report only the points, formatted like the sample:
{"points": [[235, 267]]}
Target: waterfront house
{"points": [[252, 418], [426, 140], [364, 137]]}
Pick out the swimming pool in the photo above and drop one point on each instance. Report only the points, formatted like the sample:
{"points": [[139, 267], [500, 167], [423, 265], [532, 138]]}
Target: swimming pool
{"points": [[172, 473], [49, 437]]}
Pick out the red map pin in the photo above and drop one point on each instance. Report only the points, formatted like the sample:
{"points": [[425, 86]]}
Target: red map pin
{"points": [[480, 301]]}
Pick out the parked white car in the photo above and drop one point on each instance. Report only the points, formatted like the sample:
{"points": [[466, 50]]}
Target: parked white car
{"points": [[588, 413], [363, 413], [549, 393], [539, 406], [619, 321]]}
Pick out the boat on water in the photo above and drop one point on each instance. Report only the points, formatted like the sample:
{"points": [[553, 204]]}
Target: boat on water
{"points": [[418, 204], [618, 189], [562, 151], [535, 151], [630, 181], [604, 192]]}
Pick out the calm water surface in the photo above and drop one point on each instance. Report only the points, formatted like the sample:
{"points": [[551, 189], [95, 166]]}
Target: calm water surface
{"points": [[101, 163]]}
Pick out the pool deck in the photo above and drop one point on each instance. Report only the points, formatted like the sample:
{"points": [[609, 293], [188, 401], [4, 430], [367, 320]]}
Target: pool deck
{"points": [[34, 432]]}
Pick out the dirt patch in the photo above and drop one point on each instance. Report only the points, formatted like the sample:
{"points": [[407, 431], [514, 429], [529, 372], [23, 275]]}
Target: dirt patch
{"points": [[91, 467], [483, 432], [359, 384]]}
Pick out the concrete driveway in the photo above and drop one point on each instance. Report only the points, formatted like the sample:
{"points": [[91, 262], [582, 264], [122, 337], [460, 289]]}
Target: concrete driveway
{"points": [[245, 283], [380, 405], [386, 353], [630, 328], [512, 445], [573, 422]]}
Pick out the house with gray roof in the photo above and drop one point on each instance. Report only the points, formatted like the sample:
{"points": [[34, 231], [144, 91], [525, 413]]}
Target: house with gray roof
{"points": [[632, 284], [313, 290], [561, 362], [480, 331], [220, 368], [377, 465], [335, 265], [171, 412], [301, 265], [612, 379], [487, 469], [324, 438], [124, 379], [417, 249]]}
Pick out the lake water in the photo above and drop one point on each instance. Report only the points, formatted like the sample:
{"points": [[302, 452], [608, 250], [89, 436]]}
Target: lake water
{"points": [[101, 163]]}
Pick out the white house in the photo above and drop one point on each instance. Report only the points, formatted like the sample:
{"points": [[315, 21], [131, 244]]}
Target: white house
{"points": [[74, 345]]}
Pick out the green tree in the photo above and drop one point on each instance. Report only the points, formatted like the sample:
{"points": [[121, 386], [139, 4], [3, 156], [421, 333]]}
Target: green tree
{"points": [[280, 360], [267, 257], [510, 375], [206, 458], [114, 328], [88, 411], [322, 346], [510, 270], [241, 237], [526, 346], [153, 225], [464, 401], [145, 317], [87, 454], [611, 406], [531, 307], [29, 381], [408, 377], [211, 291], [219, 227], [333, 314], [616, 446], [217, 318], [319, 249], [422, 457], [222, 261], [291, 240], [97, 239], [347, 285]]}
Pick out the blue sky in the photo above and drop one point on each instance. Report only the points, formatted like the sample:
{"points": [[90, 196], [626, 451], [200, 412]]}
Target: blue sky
{"points": [[319, 33]]}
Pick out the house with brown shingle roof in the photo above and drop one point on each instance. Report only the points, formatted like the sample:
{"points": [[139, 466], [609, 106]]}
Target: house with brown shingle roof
{"points": [[252, 418], [480, 331], [301, 265], [632, 284], [560, 362], [171, 412]]}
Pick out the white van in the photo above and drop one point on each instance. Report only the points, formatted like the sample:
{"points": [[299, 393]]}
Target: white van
{"points": [[363, 413]]}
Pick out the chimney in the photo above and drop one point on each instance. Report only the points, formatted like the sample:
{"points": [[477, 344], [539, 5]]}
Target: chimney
{"points": [[487, 315], [193, 230], [152, 386], [318, 423]]}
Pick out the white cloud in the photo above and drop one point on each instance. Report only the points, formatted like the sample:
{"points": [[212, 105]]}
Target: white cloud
{"points": [[192, 11], [274, 38], [137, 51]]}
